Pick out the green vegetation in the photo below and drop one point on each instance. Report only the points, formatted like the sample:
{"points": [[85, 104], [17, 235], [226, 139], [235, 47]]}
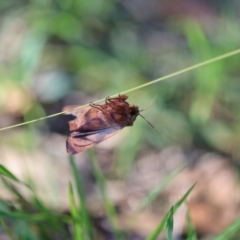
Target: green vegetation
{"points": [[57, 53]]}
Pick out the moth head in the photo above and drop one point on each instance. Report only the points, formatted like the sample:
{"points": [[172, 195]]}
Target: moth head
{"points": [[134, 112]]}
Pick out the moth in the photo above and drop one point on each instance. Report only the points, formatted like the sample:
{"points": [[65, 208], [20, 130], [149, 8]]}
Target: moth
{"points": [[97, 123]]}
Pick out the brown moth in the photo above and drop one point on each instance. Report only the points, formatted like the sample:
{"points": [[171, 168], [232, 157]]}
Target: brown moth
{"points": [[97, 123]]}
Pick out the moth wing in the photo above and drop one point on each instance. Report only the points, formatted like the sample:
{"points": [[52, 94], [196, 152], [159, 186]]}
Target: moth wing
{"points": [[78, 113], [92, 120], [79, 142], [71, 109]]}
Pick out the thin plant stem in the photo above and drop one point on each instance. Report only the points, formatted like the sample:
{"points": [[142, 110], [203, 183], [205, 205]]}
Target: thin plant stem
{"points": [[226, 55]]}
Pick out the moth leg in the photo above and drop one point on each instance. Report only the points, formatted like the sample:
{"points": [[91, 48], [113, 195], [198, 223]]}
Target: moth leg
{"points": [[113, 104], [98, 106], [110, 102], [94, 105], [108, 99]]}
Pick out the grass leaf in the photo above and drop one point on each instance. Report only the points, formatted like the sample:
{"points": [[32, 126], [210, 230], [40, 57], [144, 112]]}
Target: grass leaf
{"points": [[6, 230], [169, 225], [108, 204], [229, 232], [198, 65], [23, 216], [7, 173], [191, 233], [83, 211], [175, 207], [77, 224]]}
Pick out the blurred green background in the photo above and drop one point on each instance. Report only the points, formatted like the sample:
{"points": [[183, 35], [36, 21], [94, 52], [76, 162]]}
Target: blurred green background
{"points": [[58, 53]]}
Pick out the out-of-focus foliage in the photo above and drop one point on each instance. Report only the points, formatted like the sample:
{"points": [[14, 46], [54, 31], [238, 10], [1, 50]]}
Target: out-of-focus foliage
{"points": [[57, 52], [51, 48]]}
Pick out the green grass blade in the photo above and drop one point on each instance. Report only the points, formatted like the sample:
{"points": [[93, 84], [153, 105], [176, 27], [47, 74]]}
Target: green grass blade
{"points": [[24, 231], [180, 202], [191, 233], [23, 216], [161, 225], [15, 192], [30, 205], [37, 217], [201, 64], [7, 173], [77, 224], [83, 211], [6, 230], [108, 205], [40, 207], [159, 229], [146, 201], [169, 225], [229, 232]]}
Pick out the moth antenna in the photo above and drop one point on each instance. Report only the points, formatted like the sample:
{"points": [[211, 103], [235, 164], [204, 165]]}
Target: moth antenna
{"points": [[152, 126], [150, 104]]}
